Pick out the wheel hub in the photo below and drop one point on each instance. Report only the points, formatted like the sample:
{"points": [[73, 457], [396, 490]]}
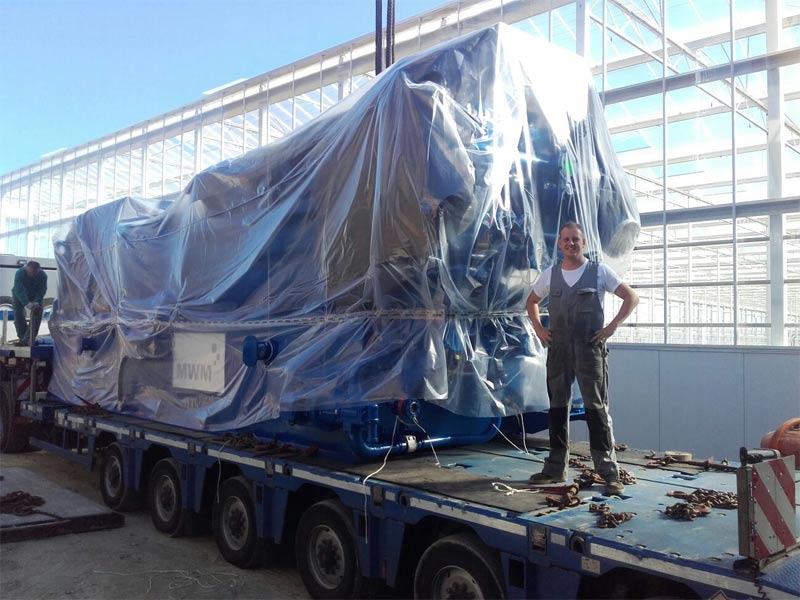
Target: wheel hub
{"points": [[114, 476], [457, 584], [166, 498], [327, 557], [235, 523]]}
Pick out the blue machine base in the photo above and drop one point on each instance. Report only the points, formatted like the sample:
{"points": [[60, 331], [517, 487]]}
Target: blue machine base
{"points": [[356, 434]]}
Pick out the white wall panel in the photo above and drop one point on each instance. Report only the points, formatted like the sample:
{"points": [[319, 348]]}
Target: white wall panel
{"points": [[772, 392], [703, 400], [634, 396]]}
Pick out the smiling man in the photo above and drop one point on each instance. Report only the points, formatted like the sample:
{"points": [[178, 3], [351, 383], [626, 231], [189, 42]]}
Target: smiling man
{"points": [[576, 342]]}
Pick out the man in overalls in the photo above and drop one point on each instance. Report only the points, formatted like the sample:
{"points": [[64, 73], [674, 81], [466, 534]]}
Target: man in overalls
{"points": [[576, 344], [30, 286]]}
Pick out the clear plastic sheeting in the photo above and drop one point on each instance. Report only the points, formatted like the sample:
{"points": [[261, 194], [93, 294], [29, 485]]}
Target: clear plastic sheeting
{"points": [[386, 249]]}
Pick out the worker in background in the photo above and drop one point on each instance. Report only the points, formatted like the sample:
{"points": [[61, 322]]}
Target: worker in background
{"points": [[30, 285], [576, 342]]}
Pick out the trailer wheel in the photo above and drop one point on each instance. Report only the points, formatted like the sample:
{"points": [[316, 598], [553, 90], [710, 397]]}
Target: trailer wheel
{"points": [[458, 566], [13, 434], [164, 498], [116, 494], [234, 520], [327, 557]]}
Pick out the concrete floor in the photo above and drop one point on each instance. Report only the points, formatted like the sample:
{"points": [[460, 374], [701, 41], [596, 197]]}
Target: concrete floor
{"points": [[128, 563]]}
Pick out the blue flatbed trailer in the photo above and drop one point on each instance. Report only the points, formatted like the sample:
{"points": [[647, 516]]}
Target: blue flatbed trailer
{"points": [[444, 525]]}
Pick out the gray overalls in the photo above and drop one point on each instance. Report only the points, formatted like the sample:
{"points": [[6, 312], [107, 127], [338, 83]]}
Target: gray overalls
{"points": [[575, 315]]}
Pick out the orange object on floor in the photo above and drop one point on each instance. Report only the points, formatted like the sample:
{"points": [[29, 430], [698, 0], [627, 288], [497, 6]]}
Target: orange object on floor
{"points": [[786, 440]]}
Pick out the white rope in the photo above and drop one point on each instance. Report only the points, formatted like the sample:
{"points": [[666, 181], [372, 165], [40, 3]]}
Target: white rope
{"points": [[416, 422], [508, 440], [524, 436], [364, 483], [506, 489]]}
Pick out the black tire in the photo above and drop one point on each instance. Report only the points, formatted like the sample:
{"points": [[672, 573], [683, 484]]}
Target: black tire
{"points": [[165, 499], [13, 434], [326, 551], [234, 521], [116, 494], [458, 566]]}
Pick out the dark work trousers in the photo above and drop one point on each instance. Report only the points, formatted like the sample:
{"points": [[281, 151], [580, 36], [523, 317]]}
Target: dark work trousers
{"points": [[575, 315], [21, 323]]}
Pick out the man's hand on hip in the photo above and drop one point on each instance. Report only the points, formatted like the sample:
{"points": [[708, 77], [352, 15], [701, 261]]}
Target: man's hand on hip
{"points": [[605, 333], [544, 334]]}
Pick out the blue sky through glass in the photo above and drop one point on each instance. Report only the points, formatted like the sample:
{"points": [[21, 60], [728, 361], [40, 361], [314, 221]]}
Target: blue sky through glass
{"points": [[74, 70]]}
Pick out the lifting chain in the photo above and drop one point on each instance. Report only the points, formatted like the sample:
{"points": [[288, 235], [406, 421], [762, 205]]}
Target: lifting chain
{"points": [[567, 497], [713, 498], [687, 511], [607, 519], [589, 477], [22, 504], [707, 464], [577, 463]]}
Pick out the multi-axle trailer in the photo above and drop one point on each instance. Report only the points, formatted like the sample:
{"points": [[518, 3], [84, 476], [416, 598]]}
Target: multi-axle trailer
{"points": [[460, 523]]}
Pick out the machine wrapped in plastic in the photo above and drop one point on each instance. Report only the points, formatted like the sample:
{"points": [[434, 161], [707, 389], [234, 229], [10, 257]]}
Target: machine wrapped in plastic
{"points": [[377, 261]]}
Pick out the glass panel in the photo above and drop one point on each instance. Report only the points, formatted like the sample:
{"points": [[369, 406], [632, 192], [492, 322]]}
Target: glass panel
{"points": [[683, 334], [307, 106], [749, 43], [68, 195], [637, 136], [564, 27], [280, 119], [537, 26], [232, 137], [632, 27], [137, 158], [188, 151], [107, 177], [752, 261], [122, 175], [702, 29], [211, 152], [698, 146], [751, 138], [91, 190], [792, 314], [753, 336], [790, 80], [251, 130], [172, 164], [753, 305]]}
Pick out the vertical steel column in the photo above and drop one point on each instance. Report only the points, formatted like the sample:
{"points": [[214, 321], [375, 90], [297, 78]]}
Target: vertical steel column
{"points": [[603, 49], [294, 98], [263, 116], [664, 183], [775, 174], [582, 26], [163, 155], [244, 118], [198, 140], [130, 163], [145, 159], [321, 95], [734, 247]]}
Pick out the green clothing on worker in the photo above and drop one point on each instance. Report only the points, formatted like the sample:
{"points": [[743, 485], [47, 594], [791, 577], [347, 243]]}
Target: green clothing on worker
{"points": [[28, 290]]}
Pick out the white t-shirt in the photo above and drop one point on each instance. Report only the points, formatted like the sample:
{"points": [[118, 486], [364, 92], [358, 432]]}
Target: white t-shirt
{"points": [[607, 280]]}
